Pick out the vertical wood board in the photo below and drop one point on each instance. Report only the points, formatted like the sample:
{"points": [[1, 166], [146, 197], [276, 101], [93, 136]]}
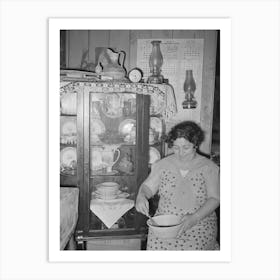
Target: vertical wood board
{"points": [[119, 40], [78, 44], [97, 38], [208, 87]]}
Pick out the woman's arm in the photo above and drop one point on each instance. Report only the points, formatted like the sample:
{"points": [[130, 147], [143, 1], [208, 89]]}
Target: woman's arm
{"points": [[208, 207], [213, 200], [190, 220], [142, 203], [147, 190]]}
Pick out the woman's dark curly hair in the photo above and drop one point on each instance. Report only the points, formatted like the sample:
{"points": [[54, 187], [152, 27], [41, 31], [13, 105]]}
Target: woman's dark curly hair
{"points": [[188, 130]]}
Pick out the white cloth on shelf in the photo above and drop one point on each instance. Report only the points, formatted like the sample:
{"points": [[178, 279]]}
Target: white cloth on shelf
{"points": [[109, 212]]}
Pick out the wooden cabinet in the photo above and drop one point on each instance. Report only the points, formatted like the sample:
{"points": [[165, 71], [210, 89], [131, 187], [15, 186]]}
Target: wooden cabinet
{"points": [[115, 130]]}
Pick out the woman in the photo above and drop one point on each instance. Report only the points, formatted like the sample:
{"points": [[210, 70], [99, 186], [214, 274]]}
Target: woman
{"points": [[188, 186]]}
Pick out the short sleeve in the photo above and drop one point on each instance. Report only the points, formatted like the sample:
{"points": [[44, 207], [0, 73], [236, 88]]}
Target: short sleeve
{"points": [[153, 180], [212, 178]]}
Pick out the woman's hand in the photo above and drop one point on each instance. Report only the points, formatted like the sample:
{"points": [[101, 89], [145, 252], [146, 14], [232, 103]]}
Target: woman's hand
{"points": [[142, 204], [189, 221]]}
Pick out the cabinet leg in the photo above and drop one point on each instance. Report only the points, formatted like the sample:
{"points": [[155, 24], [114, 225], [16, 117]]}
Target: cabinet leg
{"points": [[81, 245]]}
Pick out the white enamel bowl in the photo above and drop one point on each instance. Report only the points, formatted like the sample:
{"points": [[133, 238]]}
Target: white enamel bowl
{"points": [[165, 226]]}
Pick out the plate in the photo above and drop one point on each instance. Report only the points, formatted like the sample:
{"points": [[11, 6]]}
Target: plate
{"points": [[97, 193], [154, 155], [110, 200], [68, 130], [126, 126], [119, 197], [68, 103], [68, 160], [68, 155]]}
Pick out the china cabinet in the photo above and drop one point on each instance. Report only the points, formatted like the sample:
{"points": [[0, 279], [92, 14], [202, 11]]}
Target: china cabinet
{"points": [[111, 133]]}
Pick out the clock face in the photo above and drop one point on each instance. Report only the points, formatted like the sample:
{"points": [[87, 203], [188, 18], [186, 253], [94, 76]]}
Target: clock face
{"points": [[135, 75]]}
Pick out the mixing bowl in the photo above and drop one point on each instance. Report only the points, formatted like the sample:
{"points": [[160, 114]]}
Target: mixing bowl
{"points": [[165, 226]]}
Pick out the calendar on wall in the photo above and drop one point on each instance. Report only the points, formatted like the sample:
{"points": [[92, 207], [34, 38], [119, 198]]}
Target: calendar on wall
{"points": [[179, 55]]}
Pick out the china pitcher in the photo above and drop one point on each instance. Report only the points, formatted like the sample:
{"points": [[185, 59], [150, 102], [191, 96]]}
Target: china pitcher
{"points": [[108, 155], [111, 63]]}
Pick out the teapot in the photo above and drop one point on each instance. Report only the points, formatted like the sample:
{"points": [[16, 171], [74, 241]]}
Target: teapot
{"points": [[108, 64]]}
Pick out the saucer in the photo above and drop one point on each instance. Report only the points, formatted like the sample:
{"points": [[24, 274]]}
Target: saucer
{"points": [[119, 196]]}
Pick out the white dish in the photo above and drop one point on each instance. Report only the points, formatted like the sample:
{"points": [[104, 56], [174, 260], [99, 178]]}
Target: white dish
{"points": [[126, 126], [68, 103], [154, 155], [110, 200], [68, 161], [68, 130], [167, 226], [117, 197], [68, 126], [98, 193], [68, 155]]}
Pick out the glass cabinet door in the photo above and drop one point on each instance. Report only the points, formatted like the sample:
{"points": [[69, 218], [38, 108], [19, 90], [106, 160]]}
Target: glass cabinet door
{"points": [[115, 153]]}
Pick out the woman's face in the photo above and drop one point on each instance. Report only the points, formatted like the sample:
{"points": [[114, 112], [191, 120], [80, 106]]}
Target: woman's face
{"points": [[183, 148]]}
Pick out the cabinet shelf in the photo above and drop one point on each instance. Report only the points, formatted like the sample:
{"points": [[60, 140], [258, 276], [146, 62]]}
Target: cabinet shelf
{"points": [[120, 144], [67, 145], [67, 115]]}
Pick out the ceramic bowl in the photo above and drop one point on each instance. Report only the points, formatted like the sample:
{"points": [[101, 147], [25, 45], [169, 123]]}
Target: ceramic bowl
{"points": [[165, 226], [108, 189]]}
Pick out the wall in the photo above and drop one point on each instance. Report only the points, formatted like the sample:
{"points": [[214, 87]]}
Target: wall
{"points": [[82, 43]]}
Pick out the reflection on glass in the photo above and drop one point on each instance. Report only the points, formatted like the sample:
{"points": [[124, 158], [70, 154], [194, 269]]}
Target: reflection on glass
{"points": [[112, 133]]}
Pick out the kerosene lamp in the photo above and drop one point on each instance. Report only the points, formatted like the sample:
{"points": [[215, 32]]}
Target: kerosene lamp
{"points": [[155, 64], [189, 89]]}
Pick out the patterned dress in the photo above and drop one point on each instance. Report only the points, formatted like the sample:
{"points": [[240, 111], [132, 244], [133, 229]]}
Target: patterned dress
{"points": [[184, 191]]}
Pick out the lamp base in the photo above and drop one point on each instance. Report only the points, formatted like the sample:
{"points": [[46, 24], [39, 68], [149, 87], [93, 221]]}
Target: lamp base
{"points": [[189, 104], [155, 79]]}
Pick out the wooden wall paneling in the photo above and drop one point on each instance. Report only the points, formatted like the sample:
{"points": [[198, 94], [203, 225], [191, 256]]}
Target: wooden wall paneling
{"points": [[78, 43], [134, 35], [119, 40], [97, 38], [67, 45], [199, 34], [162, 34], [184, 34], [208, 87]]}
